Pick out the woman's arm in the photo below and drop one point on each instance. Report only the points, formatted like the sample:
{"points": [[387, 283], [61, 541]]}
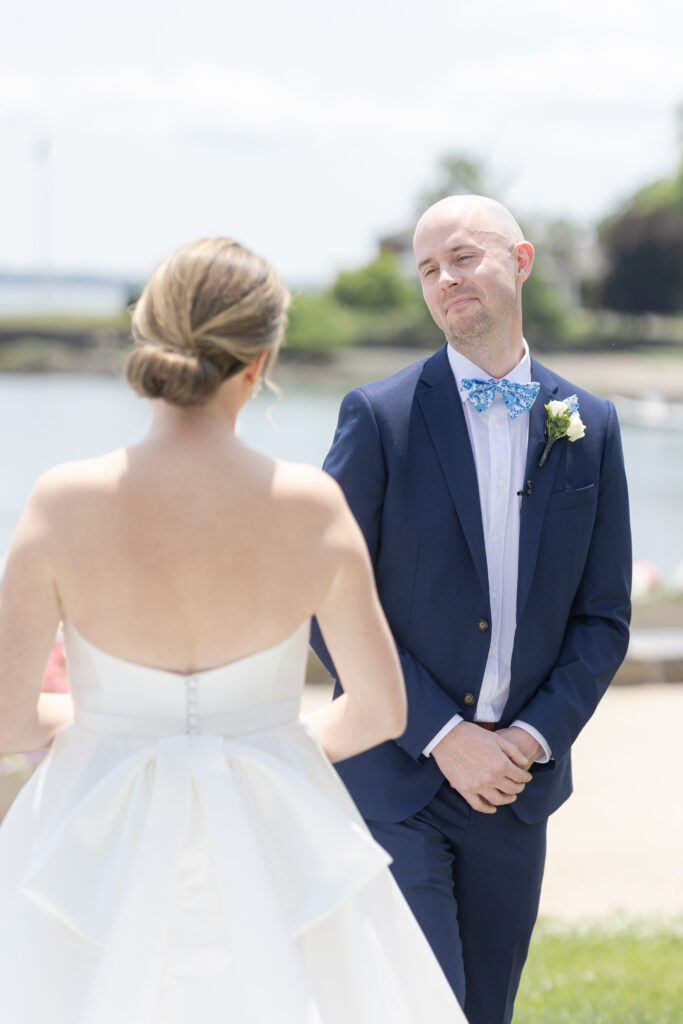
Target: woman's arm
{"points": [[29, 615], [372, 708]]}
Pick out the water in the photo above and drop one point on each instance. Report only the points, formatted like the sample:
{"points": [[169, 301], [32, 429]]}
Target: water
{"points": [[49, 419]]}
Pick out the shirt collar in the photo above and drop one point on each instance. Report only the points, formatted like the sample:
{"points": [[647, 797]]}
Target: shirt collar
{"points": [[464, 368]]}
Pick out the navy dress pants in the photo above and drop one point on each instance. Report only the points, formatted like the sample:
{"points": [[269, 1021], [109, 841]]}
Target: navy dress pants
{"points": [[473, 881]]}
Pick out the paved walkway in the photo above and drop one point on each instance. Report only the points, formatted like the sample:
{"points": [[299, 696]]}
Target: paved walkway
{"points": [[617, 845]]}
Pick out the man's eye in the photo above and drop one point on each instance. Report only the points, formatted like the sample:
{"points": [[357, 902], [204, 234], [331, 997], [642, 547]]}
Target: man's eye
{"points": [[464, 257], [428, 271]]}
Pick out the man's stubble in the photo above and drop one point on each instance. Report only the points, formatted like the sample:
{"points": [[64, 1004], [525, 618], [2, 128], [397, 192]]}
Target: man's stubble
{"points": [[473, 339]]}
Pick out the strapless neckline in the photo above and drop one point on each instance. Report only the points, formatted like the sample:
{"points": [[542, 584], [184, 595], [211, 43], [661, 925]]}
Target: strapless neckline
{"points": [[184, 831], [194, 673]]}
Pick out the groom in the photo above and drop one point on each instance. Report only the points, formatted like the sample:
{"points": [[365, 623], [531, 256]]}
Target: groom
{"points": [[506, 586]]}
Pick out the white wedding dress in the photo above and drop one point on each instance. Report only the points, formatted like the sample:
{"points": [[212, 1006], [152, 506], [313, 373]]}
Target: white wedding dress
{"points": [[186, 853]]}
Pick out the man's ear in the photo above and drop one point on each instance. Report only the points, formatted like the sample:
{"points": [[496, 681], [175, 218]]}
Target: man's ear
{"points": [[524, 254]]}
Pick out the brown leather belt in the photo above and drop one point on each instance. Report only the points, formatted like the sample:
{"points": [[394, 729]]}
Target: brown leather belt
{"points": [[491, 726]]}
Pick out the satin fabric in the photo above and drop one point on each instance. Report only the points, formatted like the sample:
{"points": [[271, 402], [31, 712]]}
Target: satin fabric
{"points": [[186, 852]]}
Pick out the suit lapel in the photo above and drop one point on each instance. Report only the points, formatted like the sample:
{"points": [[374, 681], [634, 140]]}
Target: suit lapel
{"points": [[441, 406], [533, 507]]}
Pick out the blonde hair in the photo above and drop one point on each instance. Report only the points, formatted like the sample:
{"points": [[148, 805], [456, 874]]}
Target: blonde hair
{"points": [[207, 311]]}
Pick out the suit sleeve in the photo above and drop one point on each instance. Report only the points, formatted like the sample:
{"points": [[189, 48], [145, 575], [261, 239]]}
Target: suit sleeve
{"points": [[356, 461], [596, 638]]}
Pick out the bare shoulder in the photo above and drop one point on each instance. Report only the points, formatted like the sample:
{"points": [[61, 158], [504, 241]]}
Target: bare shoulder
{"points": [[54, 507], [316, 510], [64, 487], [79, 476], [298, 482]]}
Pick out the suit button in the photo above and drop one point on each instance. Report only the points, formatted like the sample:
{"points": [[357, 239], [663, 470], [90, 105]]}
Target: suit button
{"points": [[483, 626], [469, 700]]}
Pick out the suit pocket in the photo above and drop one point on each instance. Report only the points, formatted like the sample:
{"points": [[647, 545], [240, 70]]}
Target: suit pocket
{"points": [[571, 499]]}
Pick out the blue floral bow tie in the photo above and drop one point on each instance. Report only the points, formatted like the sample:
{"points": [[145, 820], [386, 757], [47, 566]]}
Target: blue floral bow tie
{"points": [[517, 397]]}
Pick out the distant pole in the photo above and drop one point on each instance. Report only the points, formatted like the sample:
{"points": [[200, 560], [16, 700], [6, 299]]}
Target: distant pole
{"points": [[43, 196]]}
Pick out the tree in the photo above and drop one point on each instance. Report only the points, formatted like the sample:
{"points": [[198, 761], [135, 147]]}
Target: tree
{"points": [[544, 315], [643, 248], [456, 174], [378, 286], [317, 323]]}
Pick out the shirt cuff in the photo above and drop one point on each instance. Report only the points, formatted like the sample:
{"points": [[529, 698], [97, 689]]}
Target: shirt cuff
{"points": [[547, 753], [448, 727]]}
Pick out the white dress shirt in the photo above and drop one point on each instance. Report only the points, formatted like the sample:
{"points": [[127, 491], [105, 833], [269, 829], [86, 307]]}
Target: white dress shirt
{"points": [[499, 446]]}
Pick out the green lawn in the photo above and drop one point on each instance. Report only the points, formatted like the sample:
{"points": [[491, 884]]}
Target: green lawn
{"points": [[619, 973]]}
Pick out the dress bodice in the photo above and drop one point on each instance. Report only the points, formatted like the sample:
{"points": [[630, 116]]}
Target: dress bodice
{"points": [[115, 696], [186, 838]]}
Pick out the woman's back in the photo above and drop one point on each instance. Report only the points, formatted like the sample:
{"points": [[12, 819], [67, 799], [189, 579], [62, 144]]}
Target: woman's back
{"points": [[186, 848], [189, 550], [186, 851]]}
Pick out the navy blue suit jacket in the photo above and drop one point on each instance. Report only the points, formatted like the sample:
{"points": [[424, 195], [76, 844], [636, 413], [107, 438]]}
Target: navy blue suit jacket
{"points": [[403, 457]]}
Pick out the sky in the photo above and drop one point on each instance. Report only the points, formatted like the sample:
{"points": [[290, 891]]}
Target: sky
{"points": [[307, 130]]}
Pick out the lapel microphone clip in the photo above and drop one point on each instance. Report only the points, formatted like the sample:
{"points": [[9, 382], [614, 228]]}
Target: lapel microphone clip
{"points": [[526, 492]]}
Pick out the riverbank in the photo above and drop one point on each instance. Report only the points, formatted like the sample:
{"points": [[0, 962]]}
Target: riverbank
{"points": [[658, 370], [606, 373]]}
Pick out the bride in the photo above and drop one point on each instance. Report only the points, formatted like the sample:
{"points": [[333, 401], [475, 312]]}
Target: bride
{"points": [[185, 851]]}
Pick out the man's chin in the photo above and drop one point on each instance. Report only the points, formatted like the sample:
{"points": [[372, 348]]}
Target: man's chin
{"points": [[465, 337]]}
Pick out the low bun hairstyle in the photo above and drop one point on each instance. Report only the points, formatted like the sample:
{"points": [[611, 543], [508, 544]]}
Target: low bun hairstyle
{"points": [[206, 312]]}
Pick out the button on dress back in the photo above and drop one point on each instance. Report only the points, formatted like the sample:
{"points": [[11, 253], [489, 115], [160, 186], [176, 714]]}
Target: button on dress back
{"points": [[186, 852]]}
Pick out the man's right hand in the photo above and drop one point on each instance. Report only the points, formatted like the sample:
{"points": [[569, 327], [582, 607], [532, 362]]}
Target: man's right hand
{"points": [[486, 770]]}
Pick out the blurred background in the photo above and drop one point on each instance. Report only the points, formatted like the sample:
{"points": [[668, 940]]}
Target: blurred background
{"points": [[316, 134]]}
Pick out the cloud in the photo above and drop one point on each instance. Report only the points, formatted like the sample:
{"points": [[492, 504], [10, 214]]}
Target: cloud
{"points": [[123, 100], [576, 79], [569, 105]]}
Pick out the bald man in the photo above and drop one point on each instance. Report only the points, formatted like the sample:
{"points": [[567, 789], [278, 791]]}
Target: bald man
{"points": [[506, 584]]}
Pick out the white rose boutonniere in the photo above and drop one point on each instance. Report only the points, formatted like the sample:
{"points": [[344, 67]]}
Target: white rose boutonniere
{"points": [[563, 420]]}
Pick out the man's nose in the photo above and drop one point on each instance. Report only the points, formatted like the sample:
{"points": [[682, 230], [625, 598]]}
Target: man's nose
{"points": [[449, 275]]}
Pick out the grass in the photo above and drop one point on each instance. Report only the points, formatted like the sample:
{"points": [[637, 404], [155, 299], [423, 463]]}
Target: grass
{"points": [[622, 973]]}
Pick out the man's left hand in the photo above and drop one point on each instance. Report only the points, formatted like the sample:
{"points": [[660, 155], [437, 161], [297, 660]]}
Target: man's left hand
{"points": [[529, 748]]}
